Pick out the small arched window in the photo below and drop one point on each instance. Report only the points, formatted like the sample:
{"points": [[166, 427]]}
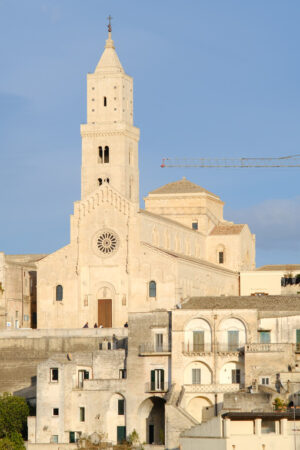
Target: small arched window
{"points": [[106, 154], [100, 154], [104, 101], [100, 181], [59, 293], [221, 257], [152, 289]]}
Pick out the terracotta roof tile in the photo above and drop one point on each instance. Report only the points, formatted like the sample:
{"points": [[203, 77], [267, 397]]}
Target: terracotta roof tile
{"points": [[182, 186], [227, 229]]}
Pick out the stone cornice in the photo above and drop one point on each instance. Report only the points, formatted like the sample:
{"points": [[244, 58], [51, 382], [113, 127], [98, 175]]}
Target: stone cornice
{"points": [[91, 131]]}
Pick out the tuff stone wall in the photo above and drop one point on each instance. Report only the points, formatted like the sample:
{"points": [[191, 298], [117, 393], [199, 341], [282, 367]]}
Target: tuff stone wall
{"points": [[21, 351]]}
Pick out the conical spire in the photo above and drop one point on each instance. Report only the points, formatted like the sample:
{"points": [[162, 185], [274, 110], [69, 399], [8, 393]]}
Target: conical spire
{"points": [[109, 61]]}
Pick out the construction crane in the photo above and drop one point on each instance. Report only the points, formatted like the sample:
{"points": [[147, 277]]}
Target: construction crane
{"points": [[283, 161]]}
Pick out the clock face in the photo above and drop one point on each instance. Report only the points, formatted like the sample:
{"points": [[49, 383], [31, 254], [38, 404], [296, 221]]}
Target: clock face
{"points": [[107, 242]]}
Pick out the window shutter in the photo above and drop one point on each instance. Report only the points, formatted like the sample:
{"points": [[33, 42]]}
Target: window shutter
{"points": [[152, 380]]}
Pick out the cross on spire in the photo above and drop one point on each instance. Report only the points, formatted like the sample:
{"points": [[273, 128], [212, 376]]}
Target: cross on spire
{"points": [[109, 23]]}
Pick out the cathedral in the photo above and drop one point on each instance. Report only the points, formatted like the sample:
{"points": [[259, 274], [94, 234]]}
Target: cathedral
{"points": [[187, 341], [121, 258]]}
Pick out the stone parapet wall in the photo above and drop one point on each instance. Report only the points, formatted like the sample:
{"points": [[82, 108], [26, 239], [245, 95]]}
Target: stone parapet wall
{"points": [[22, 350]]}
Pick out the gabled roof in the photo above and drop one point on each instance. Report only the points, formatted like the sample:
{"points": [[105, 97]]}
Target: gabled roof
{"points": [[182, 186], [227, 229]]}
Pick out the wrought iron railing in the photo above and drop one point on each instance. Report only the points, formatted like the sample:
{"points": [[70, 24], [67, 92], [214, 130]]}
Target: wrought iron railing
{"points": [[157, 387], [192, 348], [152, 348]]}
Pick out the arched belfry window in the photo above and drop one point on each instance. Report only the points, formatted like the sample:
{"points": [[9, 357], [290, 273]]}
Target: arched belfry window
{"points": [[152, 289], [100, 181], [59, 293], [100, 155], [106, 154]]}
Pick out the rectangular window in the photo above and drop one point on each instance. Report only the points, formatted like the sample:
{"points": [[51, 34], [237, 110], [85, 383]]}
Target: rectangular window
{"points": [[268, 426], [121, 434], [72, 437], [264, 337], [54, 439], [221, 257], [82, 414], [198, 341], [55, 412], [195, 225], [82, 375], [235, 376], [233, 340], [265, 380], [159, 342], [122, 373], [196, 376], [121, 407], [157, 380], [54, 375]]}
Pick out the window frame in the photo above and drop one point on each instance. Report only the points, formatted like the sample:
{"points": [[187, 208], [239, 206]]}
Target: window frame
{"points": [[54, 410], [52, 378], [159, 342], [157, 380], [152, 289], [236, 376], [196, 375], [81, 413], [59, 293], [121, 407]]}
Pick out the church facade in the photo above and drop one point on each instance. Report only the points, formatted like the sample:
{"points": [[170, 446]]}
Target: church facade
{"points": [[121, 258]]}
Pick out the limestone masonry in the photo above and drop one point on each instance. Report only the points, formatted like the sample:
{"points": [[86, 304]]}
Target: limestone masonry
{"points": [[152, 320]]}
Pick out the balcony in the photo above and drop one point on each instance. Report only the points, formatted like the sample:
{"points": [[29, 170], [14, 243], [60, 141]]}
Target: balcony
{"points": [[191, 349], [261, 348], [212, 388], [149, 349], [230, 348], [158, 388]]}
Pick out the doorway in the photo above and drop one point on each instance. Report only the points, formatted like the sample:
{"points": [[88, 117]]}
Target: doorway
{"points": [[105, 313]]}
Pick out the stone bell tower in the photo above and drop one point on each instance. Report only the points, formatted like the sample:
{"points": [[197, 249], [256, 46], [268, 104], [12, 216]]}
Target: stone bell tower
{"points": [[109, 139]]}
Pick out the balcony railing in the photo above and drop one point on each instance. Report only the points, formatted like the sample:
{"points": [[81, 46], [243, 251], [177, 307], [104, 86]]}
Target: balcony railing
{"points": [[259, 347], [158, 388], [191, 349], [148, 349], [230, 348], [214, 388]]}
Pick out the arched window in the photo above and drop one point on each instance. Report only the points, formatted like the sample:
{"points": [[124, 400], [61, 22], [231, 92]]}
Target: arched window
{"points": [[59, 293], [104, 101], [221, 257], [100, 155], [152, 289], [106, 180], [106, 154], [100, 181]]}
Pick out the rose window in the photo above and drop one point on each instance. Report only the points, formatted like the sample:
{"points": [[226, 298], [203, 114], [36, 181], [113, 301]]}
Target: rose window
{"points": [[107, 242]]}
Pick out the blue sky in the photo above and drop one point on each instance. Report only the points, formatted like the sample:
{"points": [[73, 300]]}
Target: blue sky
{"points": [[212, 78]]}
